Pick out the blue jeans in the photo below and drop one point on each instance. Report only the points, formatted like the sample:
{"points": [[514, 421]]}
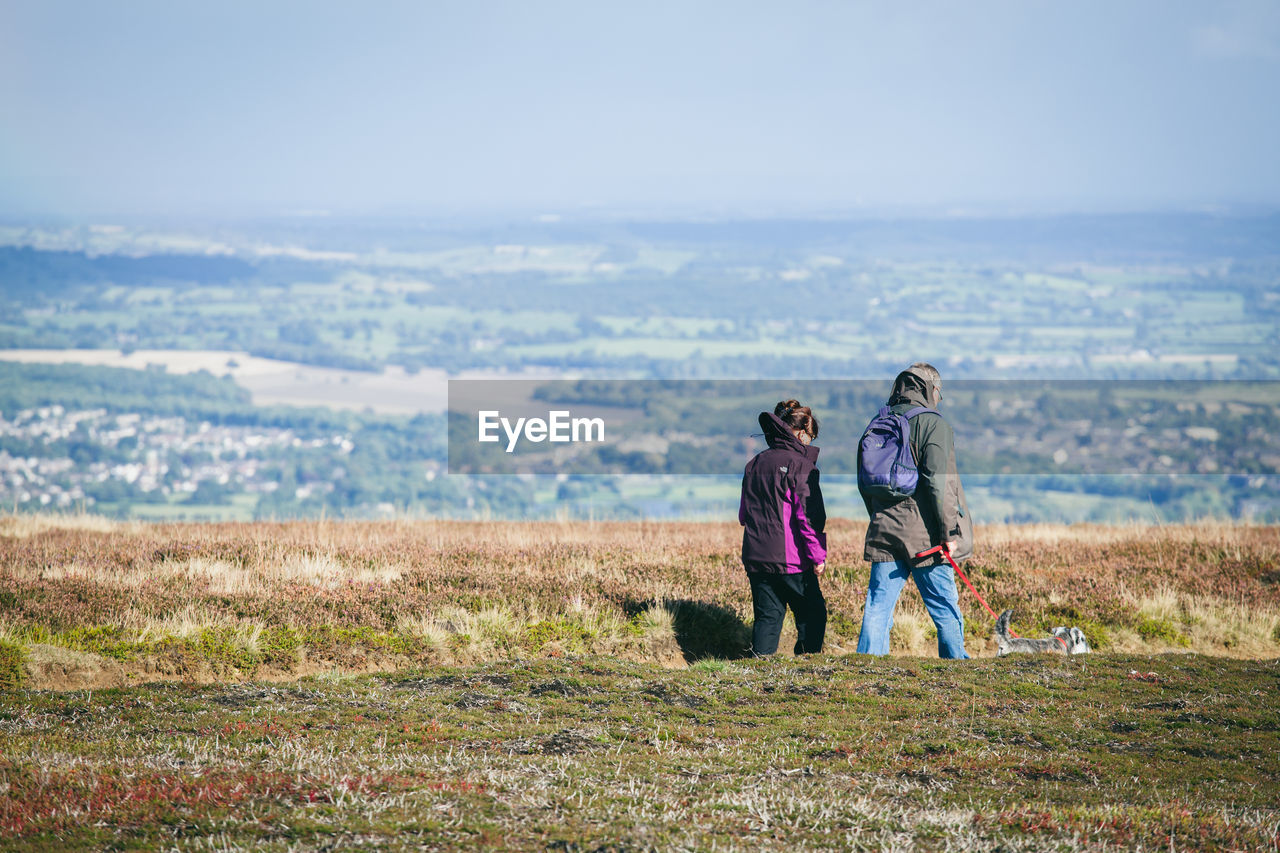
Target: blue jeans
{"points": [[937, 585]]}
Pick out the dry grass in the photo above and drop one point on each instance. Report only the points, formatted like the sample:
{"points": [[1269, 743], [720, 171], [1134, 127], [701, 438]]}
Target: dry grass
{"points": [[911, 630], [20, 526], [1222, 533], [473, 591]]}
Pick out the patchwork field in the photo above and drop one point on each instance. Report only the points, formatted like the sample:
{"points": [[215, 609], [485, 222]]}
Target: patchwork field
{"points": [[391, 390], [581, 686]]}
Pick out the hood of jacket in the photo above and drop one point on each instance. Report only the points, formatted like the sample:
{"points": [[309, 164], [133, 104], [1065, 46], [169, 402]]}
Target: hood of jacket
{"points": [[780, 437], [910, 388]]}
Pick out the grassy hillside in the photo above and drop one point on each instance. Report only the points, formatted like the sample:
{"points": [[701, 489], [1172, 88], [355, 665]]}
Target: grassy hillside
{"points": [[1089, 753], [86, 602], [580, 687]]}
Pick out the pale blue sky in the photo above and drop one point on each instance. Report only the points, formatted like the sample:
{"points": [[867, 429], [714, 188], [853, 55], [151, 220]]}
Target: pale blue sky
{"points": [[268, 107]]}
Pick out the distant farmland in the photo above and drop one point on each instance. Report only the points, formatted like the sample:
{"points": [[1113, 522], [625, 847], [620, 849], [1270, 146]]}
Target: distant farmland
{"points": [[273, 382]]}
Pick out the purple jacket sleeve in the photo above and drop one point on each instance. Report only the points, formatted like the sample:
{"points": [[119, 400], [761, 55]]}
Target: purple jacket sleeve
{"points": [[742, 507], [812, 545]]}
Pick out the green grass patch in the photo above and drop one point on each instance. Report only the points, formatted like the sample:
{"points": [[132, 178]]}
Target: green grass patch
{"points": [[849, 626], [1155, 630], [106, 640], [244, 649], [572, 637], [12, 656], [340, 643]]}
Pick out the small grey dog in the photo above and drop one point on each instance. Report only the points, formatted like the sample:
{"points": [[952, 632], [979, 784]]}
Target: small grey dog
{"points": [[1065, 641], [1074, 638]]}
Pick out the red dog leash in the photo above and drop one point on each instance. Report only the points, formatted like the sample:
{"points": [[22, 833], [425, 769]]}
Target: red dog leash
{"points": [[963, 577], [969, 584]]}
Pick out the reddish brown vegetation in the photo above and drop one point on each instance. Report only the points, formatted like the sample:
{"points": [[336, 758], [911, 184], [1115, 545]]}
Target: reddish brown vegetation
{"points": [[372, 576], [58, 800]]}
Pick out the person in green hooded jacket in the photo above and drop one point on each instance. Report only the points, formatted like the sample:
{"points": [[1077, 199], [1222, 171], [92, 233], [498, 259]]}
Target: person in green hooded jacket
{"points": [[936, 514]]}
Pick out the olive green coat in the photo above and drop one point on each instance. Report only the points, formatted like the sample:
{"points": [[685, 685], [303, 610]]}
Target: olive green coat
{"points": [[937, 512]]}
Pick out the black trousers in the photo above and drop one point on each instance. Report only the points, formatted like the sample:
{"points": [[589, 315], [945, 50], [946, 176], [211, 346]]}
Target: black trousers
{"points": [[771, 595]]}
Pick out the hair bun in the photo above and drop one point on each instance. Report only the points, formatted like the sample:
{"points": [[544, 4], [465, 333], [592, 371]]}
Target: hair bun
{"points": [[786, 407], [797, 416]]}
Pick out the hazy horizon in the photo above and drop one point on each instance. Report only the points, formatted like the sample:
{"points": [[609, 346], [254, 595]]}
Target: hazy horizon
{"points": [[717, 110]]}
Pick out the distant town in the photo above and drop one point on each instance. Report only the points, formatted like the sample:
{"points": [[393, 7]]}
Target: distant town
{"points": [[162, 455]]}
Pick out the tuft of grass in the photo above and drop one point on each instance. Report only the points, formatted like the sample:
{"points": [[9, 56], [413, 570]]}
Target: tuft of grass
{"points": [[910, 631], [654, 620], [1163, 603], [711, 665], [426, 627]]}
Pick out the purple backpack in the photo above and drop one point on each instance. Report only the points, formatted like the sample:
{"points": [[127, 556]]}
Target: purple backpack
{"points": [[886, 468]]}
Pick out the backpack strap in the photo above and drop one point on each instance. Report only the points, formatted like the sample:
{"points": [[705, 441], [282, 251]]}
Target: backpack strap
{"points": [[911, 413]]}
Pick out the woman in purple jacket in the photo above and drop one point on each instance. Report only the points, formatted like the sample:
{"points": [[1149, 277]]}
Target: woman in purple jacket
{"points": [[784, 548]]}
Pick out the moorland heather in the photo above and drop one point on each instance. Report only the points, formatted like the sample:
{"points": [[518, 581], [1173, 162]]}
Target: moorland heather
{"points": [[108, 602]]}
